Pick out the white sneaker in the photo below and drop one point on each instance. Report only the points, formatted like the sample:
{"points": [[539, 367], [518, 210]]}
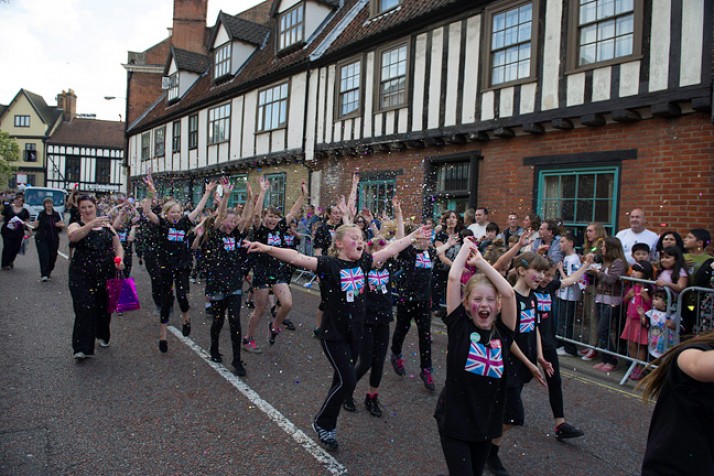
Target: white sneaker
{"points": [[561, 351], [80, 356], [45, 279], [103, 343]]}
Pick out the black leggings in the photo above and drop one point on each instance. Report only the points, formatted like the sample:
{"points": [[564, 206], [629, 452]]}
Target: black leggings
{"points": [[372, 352], [464, 458], [420, 311], [128, 255], [151, 261], [341, 354], [47, 252], [555, 384], [10, 248], [230, 303], [91, 319], [169, 276]]}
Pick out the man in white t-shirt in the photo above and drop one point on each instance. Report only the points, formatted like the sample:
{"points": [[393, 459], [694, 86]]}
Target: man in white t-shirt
{"points": [[637, 233], [479, 228]]}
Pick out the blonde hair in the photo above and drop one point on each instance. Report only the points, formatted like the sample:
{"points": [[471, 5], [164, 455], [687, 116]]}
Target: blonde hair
{"points": [[169, 205], [388, 229], [494, 251], [374, 241], [340, 233], [477, 280]]}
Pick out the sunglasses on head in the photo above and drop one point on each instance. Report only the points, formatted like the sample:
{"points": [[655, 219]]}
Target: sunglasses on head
{"points": [[380, 242]]}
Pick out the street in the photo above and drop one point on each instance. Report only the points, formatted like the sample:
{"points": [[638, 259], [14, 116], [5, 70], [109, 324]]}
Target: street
{"points": [[132, 410]]}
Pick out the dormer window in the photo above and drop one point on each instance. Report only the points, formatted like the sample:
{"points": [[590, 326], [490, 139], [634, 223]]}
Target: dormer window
{"points": [[222, 61], [382, 6], [292, 26], [173, 86]]}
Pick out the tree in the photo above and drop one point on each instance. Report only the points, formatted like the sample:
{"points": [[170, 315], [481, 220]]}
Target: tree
{"points": [[9, 152]]}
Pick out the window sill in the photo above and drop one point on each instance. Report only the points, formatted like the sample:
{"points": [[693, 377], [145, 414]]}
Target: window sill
{"points": [[265, 131], [603, 64]]}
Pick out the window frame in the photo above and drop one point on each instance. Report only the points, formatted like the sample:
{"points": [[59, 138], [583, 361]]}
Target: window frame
{"points": [[176, 137], [146, 145], [173, 92], [260, 109], [239, 195], [273, 192], [70, 175], [159, 141], [223, 120], [573, 42], [300, 25], [390, 188], [378, 77], [487, 61], [375, 8], [107, 176], [339, 94], [193, 132], [222, 65], [432, 194], [22, 120], [29, 147]]}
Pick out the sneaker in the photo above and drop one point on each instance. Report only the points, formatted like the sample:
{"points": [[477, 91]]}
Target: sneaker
{"points": [[250, 346], [591, 355], [79, 356], [372, 406], [272, 312], [561, 351], [608, 368], [216, 356], [584, 351], [428, 380], [495, 466], [566, 430], [316, 333], [238, 368], [157, 311], [289, 325], [327, 437], [349, 404], [598, 366], [398, 364], [45, 279], [272, 333], [103, 343], [637, 374], [186, 329], [163, 346]]}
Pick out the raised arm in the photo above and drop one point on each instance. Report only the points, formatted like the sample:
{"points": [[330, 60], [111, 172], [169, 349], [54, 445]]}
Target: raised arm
{"points": [[396, 246], [346, 213], [453, 283], [210, 187], [397, 206], [352, 200], [577, 276], [146, 203], [246, 218], [222, 209], [258, 208], [298, 203], [503, 263], [287, 255]]}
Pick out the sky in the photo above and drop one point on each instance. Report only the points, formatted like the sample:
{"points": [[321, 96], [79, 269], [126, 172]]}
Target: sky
{"points": [[47, 46]]}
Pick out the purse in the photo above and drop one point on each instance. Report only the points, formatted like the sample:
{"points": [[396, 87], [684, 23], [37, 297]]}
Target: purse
{"points": [[122, 295]]}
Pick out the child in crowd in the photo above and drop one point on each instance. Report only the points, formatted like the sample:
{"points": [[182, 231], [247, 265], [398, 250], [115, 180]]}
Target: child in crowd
{"points": [[640, 252], [638, 302], [663, 329], [568, 297], [673, 271]]}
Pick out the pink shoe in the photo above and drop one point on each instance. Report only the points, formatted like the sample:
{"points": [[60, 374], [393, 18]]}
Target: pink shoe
{"points": [[607, 368], [636, 374], [598, 366]]}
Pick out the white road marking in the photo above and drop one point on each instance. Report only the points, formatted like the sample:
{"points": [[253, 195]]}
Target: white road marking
{"points": [[63, 255], [330, 463]]}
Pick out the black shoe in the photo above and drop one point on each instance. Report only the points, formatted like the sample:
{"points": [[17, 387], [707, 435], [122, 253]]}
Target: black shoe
{"points": [[216, 356], [327, 437], [372, 406], [349, 404], [289, 325], [566, 430], [272, 334], [428, 380], [398, 364], [249, 304], [272, 312], [186, 329], [494, 463], [163, 346], [238, 368]]}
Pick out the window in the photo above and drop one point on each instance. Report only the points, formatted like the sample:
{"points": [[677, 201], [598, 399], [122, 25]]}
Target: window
{"points": [[393, 77], [240, 190], [173, 86], [104, 171], [273, 107], [348, 90], [159, 142], [451, 187], [22, 121], [376, 195], [380, 6], [291, 27], [30, 152], [145, 145], [510, 35], [219, 124], [193, 132], [604, 31], [222, 61], [72, 168], [579, 196], [276, 195], [176, 137], [31, 180]]}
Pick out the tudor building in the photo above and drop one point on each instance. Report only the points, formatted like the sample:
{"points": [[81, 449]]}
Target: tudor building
{"points": [[577, 109]]}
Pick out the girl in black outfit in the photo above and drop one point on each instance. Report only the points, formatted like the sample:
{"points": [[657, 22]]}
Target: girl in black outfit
{"points": [[342, 287], [124, 223], [175, 258], [480, 325], [97, 255], [47, 228], [13, 230]]}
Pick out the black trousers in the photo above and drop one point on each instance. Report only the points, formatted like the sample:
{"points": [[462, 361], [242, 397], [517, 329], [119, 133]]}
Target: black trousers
{"points": [[47, 252], [10, 248], [91, 319], [464, 458], [169, 278], [341, 355], [128, 257], [555, 384], [372, 352], [151, 261], [420, 311], [230, 304]]}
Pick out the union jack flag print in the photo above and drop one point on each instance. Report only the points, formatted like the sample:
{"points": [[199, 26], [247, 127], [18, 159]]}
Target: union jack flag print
{"points": [[352, 280], [484, 361], [289, 240], [545, 302], [229, 244], [527, 321], [176, 235], [123, 234], [423, 261], [274, 240], [378, 278]]}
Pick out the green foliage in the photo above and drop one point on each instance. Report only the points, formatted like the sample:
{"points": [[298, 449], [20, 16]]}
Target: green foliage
{"points": [[9, 152]]}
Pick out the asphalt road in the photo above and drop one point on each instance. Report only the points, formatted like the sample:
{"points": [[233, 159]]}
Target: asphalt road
{"points": [[132, 410]]}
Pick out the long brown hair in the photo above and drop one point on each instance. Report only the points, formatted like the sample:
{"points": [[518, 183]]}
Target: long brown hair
{"points": [[600, 235], [651, 385], [613, 250]]}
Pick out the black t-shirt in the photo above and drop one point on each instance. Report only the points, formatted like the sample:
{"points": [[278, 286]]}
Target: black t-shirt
{"points": [[417, 266], [47, 230], [526, 338], [681, 436], [225, 260], [275, 237], [544, 314], [93, 255], [323, 236], [175, 247], [379, 295], [471, 405], [342, 288], [8, 214]]}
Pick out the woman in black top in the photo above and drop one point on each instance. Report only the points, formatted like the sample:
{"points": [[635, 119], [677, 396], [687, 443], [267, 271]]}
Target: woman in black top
{"points": [[175, 257], [681, 440], [480, 327], [342, 287], [47, 227], [124, 224], [97, 256], [15, 219]]}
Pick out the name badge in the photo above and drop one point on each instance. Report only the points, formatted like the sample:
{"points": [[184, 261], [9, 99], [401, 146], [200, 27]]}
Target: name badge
{"points": [[475, 337], [384, 289], [495, 344], [350, 296]]}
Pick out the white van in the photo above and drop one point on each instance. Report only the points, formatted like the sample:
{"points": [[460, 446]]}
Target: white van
{"points": [[34, 196]]}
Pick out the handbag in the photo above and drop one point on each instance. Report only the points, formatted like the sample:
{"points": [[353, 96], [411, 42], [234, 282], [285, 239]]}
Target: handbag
{"points": [[122, 295]]}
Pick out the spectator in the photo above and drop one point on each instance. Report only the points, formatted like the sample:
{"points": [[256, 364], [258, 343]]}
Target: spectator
{"points": [[548, 243], [469, 217], [670, 238], [696, 259], [450, 225], [637, 233], [47, 227], [492, 233], [531, 222], [15, 219], [513, 228], [479, 228], [595, 235]]}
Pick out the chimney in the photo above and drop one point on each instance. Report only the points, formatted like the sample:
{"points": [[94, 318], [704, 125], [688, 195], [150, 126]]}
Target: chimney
{"points": [[67, 101], [60, 99], [189, 25]]}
